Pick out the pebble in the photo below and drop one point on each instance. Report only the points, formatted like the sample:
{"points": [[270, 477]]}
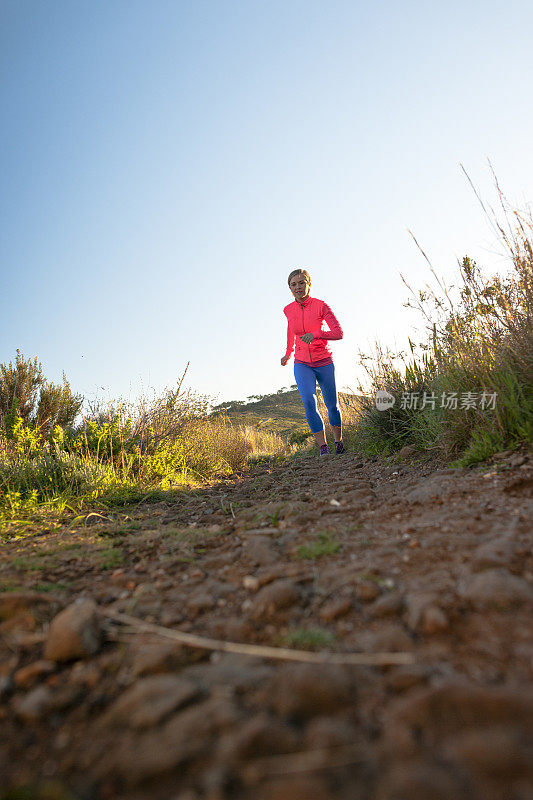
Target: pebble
{"points": [[257, 550], [405, 677], [74, 633], [12, 603], [35, 705], [367, 591], [149, 701], [155, 658], [274, 597], [386, 606], [262, 735], [303, 690], [434, 620], [27, 676], [199, 603], [498, 552], [495, 588], [336, 608]]}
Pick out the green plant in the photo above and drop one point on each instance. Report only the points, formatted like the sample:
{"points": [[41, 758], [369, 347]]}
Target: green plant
{"points": [[324, 545], [111, 558], [308, 638], [480, 345], [37, 401]]}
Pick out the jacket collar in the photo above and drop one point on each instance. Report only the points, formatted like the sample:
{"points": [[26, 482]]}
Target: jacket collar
{"points": [[306, 302]]}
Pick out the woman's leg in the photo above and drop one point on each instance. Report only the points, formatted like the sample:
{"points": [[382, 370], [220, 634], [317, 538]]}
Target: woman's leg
{"points": [[326, 380], [306, 382]]}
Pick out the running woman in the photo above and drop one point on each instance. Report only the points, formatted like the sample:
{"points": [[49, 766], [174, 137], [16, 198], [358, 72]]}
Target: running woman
{"points": [[312, 358]]}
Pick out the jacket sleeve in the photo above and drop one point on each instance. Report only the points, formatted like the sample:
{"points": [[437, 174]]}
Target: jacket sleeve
{"points": [[290, 341], [335, 330]]}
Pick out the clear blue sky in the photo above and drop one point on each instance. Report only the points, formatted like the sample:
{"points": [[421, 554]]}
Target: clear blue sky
{"points": [[166, 164]]}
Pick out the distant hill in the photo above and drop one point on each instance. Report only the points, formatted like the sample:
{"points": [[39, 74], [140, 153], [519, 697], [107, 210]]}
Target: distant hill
{"points": [[281, 412]]}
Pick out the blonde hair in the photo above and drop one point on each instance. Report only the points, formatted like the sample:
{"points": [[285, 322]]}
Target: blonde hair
{"points": [[303, 272]]}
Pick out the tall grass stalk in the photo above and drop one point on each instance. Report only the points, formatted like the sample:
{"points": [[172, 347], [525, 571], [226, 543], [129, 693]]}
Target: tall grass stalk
{"points": [[479, 341]]}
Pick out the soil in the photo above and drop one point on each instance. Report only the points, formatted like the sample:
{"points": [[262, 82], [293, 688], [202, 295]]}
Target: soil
{"points": [[337, 554]]}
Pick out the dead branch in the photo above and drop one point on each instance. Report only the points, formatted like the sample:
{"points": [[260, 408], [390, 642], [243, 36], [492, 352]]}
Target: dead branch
{"points": [[260, 651]]}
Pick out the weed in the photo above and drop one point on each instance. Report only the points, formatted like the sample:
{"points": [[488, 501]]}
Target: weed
{"points": [[29, 563], [275, 517], [308, 638], [51, 587], [324, 545], [111, 558]]}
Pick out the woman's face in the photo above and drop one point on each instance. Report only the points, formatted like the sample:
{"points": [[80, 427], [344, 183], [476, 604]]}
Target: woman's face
{"points": [[299, 286]]}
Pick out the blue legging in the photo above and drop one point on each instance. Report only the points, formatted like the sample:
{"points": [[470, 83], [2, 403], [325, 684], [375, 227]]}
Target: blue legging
{"points": [[306, 380]]}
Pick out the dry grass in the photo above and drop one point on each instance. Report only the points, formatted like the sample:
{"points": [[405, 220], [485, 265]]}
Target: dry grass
{"points": [[480, 340]]}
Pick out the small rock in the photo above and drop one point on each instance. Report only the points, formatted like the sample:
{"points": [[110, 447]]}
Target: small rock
{"points": [[142, 755], [24, 611], [386, 606], [496, 588], [444, 710], [12, 603], [230, 628], [88, 674], [421, 780], [434, 620], [250, 582], [6, 686], [35, 705], [74, 633], [274, 597], [325, 732], [367, 591], [262, 735], [304, 689], [498, 552], [149, 701], [258, 550], [156, 658], [199, 603], [336, 608], [496, 751], [404, 677], [27, 676], [434, 487], [389, 638], [416, 604]]}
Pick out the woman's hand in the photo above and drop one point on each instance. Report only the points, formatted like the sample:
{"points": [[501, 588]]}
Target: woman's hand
{"points": [[284, 361], [307, 337]]}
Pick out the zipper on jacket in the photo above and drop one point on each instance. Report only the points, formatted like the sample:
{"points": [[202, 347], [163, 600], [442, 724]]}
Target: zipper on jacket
{"points": [[308, 344]]}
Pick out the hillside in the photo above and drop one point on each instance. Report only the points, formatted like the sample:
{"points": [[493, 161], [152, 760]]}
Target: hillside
{"points": [[281, 412]]}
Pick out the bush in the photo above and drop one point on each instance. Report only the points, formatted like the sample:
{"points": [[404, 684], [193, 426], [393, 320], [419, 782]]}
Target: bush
{"points": [[25, 392], [480, 346]]}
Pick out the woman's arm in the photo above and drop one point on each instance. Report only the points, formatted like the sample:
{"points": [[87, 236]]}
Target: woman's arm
{"points": [[290, 341], [335, 330]]}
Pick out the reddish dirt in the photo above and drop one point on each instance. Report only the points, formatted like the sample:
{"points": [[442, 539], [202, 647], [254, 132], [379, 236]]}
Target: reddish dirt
{"points": [[401, 557]]}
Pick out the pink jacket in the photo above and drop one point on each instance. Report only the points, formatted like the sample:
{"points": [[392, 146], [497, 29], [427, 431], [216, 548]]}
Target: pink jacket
{"points": [[308, 317]]}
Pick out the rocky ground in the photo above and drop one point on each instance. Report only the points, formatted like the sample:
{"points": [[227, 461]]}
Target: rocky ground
{"points": [[334, 555]]}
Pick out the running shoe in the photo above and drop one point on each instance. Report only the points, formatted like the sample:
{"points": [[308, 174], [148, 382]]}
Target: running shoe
{"points": [[324, 450], [339, 447]]}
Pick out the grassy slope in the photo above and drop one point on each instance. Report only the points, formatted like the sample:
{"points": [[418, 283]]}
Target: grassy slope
{"points": [[282, 413]]}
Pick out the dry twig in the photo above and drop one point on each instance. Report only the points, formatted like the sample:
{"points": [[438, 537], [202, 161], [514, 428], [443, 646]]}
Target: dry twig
{"points": [[261, 651]]}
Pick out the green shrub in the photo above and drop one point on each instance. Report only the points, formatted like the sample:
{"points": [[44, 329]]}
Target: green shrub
{"points": [[481, 345]]}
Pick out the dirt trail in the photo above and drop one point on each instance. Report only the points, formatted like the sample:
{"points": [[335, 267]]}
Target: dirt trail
{"points": [[342, 554]]}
